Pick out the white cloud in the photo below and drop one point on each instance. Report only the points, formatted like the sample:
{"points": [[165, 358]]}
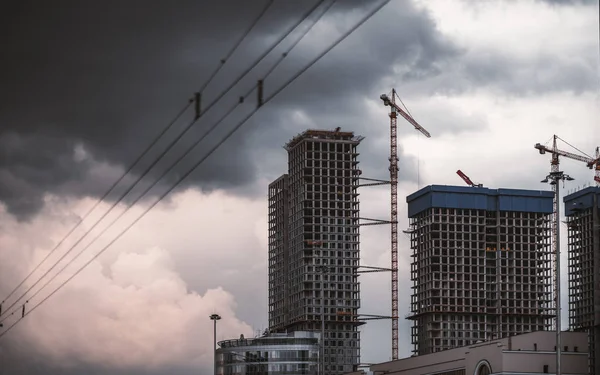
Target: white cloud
{"points": [[520, 29], [133, 309]]}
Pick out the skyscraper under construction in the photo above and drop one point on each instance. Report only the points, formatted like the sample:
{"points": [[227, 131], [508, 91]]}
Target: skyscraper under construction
{"points": [[481, 265], [314, 244], [582, 210]]}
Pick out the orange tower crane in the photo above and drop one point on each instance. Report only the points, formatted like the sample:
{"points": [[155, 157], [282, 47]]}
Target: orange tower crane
{"points": [[394, 110]]}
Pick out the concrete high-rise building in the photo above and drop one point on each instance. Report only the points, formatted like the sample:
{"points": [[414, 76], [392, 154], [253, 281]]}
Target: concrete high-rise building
{"points": [[314, 244], [481, 265], [582, 210]]}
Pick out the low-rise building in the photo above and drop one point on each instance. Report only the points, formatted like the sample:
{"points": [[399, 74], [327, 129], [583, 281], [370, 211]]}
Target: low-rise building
{"points": [[294, 353], [530, 353]]}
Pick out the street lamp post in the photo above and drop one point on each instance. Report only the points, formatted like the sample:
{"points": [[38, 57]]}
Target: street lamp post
{"points": [[214, 318], [554, 178]]}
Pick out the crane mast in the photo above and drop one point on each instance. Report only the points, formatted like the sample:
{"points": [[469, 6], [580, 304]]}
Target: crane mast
{"points": [[394, 110], [556, 176]]}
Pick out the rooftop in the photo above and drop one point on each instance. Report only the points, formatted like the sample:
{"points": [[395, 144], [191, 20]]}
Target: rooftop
{"points": [[336, 134], [297, 337], [479, 198], [581, 200]]}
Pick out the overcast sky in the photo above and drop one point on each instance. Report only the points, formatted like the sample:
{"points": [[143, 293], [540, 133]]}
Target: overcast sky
{"points": [[86, 86]]}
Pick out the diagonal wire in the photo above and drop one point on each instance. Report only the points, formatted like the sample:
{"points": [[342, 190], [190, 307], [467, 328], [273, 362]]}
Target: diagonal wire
{"points": [[165, 151], [213, 149], [292, 46], [575, 147], [404, 105], [262, 57], [167, 170], [152, 144], [237, 44]]}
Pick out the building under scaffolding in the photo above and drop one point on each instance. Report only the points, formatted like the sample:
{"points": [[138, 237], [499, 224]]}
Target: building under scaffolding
{"points": [[582, 210], [481, 265], [314, 244]]}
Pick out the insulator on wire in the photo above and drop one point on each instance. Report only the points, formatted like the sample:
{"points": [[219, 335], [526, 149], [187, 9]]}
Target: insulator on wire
{"points": [[23, 311], [197, 98], [241, 99], [260, 93]]}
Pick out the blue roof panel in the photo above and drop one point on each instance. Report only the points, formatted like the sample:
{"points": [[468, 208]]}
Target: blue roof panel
{"points": [[581, 200], [461, 197]]}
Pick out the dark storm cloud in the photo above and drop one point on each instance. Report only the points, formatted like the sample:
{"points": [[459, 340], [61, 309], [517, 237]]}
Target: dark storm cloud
{"points": [[107, 76]]}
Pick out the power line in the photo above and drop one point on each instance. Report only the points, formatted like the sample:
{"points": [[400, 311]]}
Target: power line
{"points": [[237, 44], [213, 149], [261, 57], [161, 177], [175, 119], [163, 132], [292, 46], [165, 151]]}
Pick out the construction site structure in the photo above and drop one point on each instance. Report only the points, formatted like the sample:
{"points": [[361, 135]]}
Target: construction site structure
{"points": [[481, 265], [582, 211], [555, 177], [591, 162], [467, 180], [395, 109], [314, 245]]}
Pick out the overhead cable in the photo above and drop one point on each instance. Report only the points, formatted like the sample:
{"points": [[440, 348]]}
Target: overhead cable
{"points": [[169, 125], [181, 157], [152, 144], [149, 168], [237, 44], [210, 152]]}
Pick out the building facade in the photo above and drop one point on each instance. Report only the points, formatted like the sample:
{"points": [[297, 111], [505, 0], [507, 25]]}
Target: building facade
{"points": [[481, 265], [314, 244], [582, 210], [531, 353], [296, 353]]}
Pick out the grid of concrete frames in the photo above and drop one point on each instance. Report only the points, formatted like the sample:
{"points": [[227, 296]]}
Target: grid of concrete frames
{"points": [[314, 244], [481, 265]]}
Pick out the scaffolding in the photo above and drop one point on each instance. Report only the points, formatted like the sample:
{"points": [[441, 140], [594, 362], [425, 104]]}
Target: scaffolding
{"points": [[478, 274], [314, 224]]}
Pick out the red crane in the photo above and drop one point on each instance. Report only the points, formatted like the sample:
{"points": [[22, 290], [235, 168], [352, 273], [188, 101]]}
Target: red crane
{"points": [[394, 110], [596, 164], [467, 179]]}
